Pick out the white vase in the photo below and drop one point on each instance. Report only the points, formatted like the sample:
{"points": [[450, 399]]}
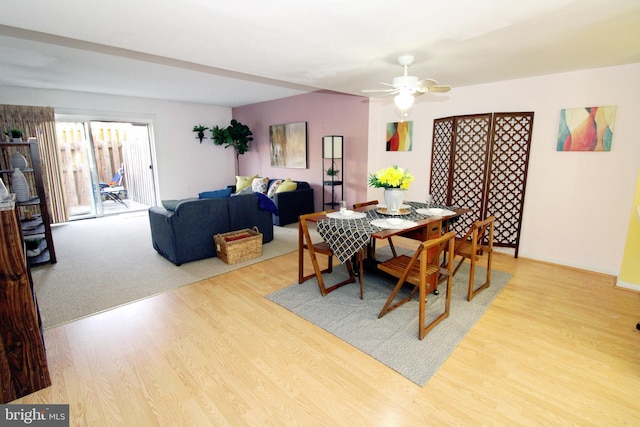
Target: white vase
{"points": [[393, 197], [4, 193], [18, 161], [19, 185]]}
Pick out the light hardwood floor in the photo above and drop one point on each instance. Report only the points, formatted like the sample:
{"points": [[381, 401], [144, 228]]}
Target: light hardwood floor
{"points": [[557, 347]]}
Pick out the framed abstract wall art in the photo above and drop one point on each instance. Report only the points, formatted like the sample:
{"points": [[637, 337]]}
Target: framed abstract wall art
{"points": [[399, 136], [586, 129], [288, 145]]}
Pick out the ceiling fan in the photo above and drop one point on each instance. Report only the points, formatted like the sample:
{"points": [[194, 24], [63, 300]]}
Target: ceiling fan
{"points": [[406, 87]]}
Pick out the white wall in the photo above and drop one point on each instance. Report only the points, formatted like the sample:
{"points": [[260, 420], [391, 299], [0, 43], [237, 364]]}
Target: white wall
{"points": [[577, 203], [184, 166]]}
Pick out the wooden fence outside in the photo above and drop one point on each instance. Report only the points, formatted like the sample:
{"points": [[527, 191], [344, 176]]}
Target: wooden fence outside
{"points": [[113, 150]]}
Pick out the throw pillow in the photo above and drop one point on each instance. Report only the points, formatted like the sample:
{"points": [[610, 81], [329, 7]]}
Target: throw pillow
{"points": [[170, 205], [259, 185], [244, 182], [287, 185], [273, 187], [245, 190], [217, 194]]}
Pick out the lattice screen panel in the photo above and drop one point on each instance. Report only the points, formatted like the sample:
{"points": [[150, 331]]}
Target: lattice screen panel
{"points": [[441, 160], [480, 162], [470, 168], [508, 175]]}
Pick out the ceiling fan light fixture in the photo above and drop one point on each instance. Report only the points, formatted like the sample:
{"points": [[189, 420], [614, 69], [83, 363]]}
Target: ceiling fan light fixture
{"points": [[404, 100]]}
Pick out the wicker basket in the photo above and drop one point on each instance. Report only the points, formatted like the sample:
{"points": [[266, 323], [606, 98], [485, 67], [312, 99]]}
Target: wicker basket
{"points": [[238, 246]]}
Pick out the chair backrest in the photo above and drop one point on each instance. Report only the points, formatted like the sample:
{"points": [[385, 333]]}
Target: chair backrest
{"points": [[480, 235], [117, 179], [361, 204], [430, 250], [303, 228], [428, 257]]}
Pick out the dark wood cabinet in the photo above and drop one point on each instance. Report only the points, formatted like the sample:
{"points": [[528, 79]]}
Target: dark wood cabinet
{"points": [[23, 362]]}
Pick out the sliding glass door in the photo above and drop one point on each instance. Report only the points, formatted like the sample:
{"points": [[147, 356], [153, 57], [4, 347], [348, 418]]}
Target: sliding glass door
{"points": [[106, 167]]}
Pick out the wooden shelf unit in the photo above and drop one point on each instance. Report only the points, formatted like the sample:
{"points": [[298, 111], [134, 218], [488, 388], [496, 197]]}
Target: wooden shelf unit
{"points": [[332, 157], [38, 203]]}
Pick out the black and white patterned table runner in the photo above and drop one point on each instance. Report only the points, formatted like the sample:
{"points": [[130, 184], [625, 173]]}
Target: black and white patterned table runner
{"points": [[346, 237]]}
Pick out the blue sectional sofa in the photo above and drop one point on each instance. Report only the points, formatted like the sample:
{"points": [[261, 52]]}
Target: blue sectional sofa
{"points": [[185, 233], [290, 204]]}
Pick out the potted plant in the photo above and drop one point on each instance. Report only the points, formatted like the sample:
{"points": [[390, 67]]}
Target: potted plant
{"points": [[332, 172], [200, 129], [15, 135], [235, 135]]}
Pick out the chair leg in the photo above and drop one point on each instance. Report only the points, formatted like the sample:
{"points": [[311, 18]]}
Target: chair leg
{"points": [[300, 255], [473, 292], [393, 247], [424, 329], [361, 272], [350, 279], [387, 306]]}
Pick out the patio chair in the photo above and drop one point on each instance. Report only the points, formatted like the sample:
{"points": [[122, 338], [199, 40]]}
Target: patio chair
{"points": [[111, 191]]}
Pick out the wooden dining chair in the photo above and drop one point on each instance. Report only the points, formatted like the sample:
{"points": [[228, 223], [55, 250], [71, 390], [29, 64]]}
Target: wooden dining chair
{"points": [[305, 242], [391, 245], [477, 241], [415, 270]]}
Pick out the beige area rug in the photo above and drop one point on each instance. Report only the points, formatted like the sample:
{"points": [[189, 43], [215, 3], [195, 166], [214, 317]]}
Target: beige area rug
{"points": [[107, 262], [393, 339]]}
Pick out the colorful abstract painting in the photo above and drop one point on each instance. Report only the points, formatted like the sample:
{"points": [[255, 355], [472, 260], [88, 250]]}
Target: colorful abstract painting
{"points": [[399, 136], [586, 129]]}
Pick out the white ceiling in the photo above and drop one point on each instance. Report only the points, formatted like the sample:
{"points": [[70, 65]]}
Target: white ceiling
{"points": [[240, 52]]}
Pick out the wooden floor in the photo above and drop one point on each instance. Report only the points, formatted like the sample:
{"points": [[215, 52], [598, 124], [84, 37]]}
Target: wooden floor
{"points": [[557, 347]]}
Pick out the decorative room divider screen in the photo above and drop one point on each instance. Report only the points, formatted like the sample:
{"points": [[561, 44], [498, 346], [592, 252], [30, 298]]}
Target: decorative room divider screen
{"points": [[480, 162]]}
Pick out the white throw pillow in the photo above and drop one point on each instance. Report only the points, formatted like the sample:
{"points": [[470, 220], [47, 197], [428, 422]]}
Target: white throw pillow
{"points": [[259, 185], [273, 187]]}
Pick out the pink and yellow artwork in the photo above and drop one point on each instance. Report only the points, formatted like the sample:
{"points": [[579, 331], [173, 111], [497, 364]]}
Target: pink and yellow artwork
{"points": [[399, 136], [586, 129]]}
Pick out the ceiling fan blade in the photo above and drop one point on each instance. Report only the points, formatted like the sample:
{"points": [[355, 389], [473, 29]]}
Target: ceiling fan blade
{"points": [[427, 83], [378, 90], [440, 88]]}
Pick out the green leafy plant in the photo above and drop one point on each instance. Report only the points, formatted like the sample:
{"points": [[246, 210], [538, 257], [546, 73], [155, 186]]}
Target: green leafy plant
{"points": [[14, 133], [332, 172], [235, 135], [200, 129]]}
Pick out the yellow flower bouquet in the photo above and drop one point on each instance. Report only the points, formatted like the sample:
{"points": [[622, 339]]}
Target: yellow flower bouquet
{"points": [[391, 177]]}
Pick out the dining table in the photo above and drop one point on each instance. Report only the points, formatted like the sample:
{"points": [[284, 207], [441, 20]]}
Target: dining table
{"points": [[348, 234]]}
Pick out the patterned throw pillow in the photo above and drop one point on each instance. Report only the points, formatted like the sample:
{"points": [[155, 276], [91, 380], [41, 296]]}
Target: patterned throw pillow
{"points": [[287, 185], [243, 182], [259, 185], [273, 187]]}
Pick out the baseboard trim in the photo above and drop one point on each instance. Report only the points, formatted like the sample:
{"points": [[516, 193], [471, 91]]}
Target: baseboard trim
{"points": [[625, 285]]}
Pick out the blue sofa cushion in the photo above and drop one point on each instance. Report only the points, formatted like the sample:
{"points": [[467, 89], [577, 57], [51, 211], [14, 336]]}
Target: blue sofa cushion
{"points": [[266, 204], [172, 205], [216, 194]]}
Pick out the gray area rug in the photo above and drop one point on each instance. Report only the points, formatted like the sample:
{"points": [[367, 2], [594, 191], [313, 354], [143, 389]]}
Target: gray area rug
{"points": [[107, 262], [392, 340]]}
